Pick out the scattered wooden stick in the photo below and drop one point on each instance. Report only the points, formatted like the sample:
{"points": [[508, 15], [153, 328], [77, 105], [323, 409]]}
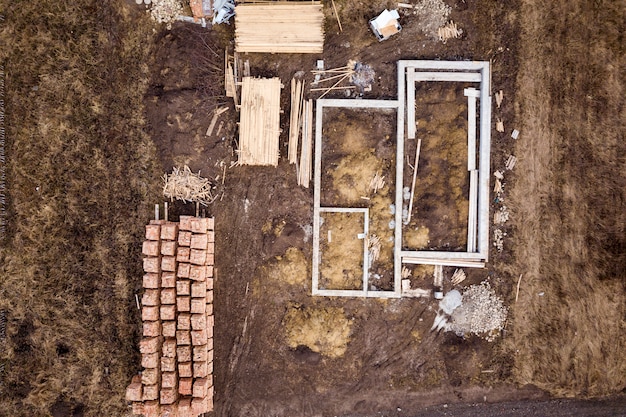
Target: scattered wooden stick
{"points": [[519, 281], [337, 16], [417, 157], [335, 85]]}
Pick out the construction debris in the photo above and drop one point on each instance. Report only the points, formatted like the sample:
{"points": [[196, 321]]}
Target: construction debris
{"points": [[259, 127], [431, 15], [406, 272], [510, 162], [281, 27], [359, 75], [498, 239], [377, 183], [458, 277], [223, 10], [499, 98], [182, 184], [373, 247], [166, 11], [515, 134], [481, 312], [501, 216], [500, 126], [216, 114], [449, 31], [386, 24]]}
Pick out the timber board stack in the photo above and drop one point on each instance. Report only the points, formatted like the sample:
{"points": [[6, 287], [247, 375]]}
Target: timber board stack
{"points": [[281, 27], [177, 314]]}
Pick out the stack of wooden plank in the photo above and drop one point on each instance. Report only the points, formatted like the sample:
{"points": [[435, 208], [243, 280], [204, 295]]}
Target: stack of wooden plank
{"points": [[306, 153], [259, 124], [281, 27], [295, 119]]}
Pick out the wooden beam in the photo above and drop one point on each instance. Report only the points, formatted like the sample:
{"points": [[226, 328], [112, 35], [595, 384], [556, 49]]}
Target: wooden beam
{"points": [[417, 159]]}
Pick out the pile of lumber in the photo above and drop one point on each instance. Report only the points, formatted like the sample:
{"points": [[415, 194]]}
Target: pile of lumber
{"points": [[281, 27], [259, 123], [301, 121], [182, 184]]}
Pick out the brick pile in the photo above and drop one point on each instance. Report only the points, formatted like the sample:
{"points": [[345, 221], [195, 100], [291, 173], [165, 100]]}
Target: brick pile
{"points": [[177, 314]]}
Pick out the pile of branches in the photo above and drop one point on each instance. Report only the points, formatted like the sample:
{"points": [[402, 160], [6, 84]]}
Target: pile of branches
{"points": [[182, 184]]}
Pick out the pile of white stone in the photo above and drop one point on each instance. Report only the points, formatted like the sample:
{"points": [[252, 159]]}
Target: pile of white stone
{"points": [[164, 11]]}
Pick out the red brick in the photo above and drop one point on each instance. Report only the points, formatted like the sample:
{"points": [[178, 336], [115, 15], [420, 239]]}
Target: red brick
{"points": [[149, 313], [168, 296], [200, 387], [134, 392], [210, 248], [209, 366], [168, 280], [185, 370], [209, 309], [153, 232], [169, 231], [209, 331], [169, 395], [183, 286], [183, 270], [151, 280], [152, 328], [209, 297], [168, 263], [198, 289], [149, 344], [210, 223], [137, 409], [150, 248], [197, 272], [184, 238], [209, 343], [210, 321], [169, 410], [183, 303], [168, 248], [185, 222], [152, 408], [199, 225], [150, 392], [209, 271], [209, 356], [184, 388], [197, 257], [199, 406], [160, 222], [200, 353], [199, 369], [198, 306], [169, 348], [169, 380], [198, 337], [198, 321], [183, 353], [211, 236], [151, 265], [168, 364], [168, 312], [210, 259], [150, 360], [184, 404], [199, 241], [184, 321], [182, 255], [169, 328], [209, 280], [150, 376], [150, 297], [183, 337]]}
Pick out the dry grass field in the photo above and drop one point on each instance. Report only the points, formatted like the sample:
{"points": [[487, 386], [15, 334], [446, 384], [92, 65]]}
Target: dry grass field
{"points": [[100, 102]]}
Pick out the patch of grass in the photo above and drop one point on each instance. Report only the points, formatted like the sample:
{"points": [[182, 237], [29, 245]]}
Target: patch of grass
{"points": [[82, 173], [568, 200]]}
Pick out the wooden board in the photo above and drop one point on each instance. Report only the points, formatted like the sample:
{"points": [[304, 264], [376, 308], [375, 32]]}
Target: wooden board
{"points": [[279, 28], [259, 123]]}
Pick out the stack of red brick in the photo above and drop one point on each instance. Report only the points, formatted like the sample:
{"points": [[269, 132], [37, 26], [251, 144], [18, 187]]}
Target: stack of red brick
{"points": [[177, 313]]}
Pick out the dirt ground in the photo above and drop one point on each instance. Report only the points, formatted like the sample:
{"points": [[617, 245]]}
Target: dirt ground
{"points": [[100, 103]]}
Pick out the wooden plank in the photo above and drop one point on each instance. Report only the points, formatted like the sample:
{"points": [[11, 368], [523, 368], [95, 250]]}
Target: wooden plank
{"points": [[417, 160]]}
